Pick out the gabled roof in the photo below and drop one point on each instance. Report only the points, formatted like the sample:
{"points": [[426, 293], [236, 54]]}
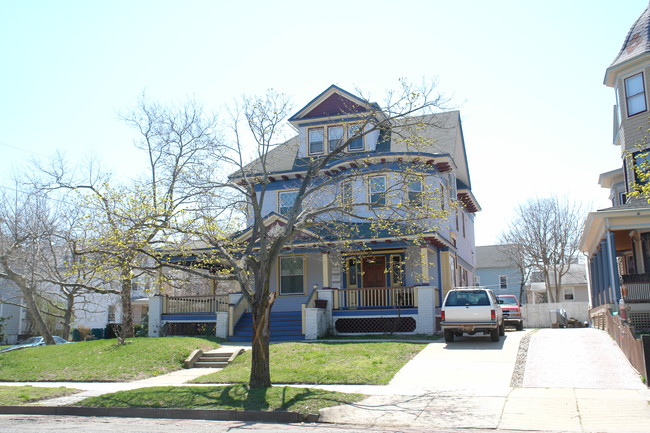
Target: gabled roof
{"points": [[636, 45], [443, 146], [443, 129], [334, 101], [493, 256]]}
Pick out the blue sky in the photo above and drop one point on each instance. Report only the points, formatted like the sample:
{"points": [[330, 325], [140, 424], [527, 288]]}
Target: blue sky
{"points": [[526, 75]]}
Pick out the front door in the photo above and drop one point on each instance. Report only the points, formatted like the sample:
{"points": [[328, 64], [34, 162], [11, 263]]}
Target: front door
{"points": [[374, 271]]}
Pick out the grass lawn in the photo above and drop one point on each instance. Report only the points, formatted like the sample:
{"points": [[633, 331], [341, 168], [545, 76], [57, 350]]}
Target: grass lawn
{"points": [[100, 360], [19, 395], [324, 363], [281, 398]]}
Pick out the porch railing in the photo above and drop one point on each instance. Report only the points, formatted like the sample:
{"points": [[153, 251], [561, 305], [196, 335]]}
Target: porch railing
{"points": [[235, 311], [637, 292], [376, 297], [195, 304]]}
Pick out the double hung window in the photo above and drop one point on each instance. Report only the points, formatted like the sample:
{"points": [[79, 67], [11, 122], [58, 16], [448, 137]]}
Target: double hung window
{"points": [[377, 191], [356, 143], [292, 275], [503, 282], [635, 94], [415, 193], [316, 138], [286, 200], [334, 137]]}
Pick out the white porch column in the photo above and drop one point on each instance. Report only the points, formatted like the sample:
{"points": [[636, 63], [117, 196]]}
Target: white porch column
{"points": [[155, 315], [426, 321], [221, 327], [424, 263], [326, 269]]}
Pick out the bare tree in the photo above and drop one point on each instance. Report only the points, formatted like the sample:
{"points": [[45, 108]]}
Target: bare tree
{"points": [[26, 223], [547, 232], [322, 209], [516, 255], [128, 220]]}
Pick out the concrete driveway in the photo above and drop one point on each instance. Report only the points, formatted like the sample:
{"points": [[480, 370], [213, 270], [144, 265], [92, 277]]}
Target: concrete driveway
{"points": [[574, 380]]}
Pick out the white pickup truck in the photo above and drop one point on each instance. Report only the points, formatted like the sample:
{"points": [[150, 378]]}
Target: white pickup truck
{"points": [[471, 310]]}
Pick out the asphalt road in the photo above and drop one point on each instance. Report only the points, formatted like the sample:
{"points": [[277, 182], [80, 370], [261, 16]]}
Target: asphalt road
{"points": [[40, 423]]}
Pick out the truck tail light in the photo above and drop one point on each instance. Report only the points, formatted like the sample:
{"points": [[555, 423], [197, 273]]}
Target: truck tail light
{"points": [[493, 314], [442, 316]]}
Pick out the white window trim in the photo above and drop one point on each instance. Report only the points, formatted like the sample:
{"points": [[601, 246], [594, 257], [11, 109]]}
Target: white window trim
{"points": [[628, 97], [566, 291], [384, 192], [420, 192], [324, 142], [304, 275], [504, 278], [284, 191], [362, 138]]}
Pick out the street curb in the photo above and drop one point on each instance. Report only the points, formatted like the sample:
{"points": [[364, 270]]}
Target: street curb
{"points": [[141, 412]]}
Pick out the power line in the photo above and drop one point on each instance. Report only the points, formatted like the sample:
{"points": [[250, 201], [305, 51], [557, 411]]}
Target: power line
{"points": [[21, 149]]}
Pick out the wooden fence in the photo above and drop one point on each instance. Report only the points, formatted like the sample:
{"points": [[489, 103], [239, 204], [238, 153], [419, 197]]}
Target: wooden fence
{"points": [[637, 351]]}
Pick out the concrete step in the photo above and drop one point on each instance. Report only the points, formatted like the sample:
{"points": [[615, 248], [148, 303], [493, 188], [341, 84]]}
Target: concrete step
{"points": [[210, 364], [212, 359]]}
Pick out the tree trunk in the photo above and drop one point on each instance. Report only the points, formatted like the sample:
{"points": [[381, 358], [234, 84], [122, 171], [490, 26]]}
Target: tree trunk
{"points": [[126, 329], [35, 314], [67, 315], [261, 307]]}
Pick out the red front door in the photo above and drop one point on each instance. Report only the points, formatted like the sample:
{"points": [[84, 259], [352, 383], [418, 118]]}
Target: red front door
{"points": [[374, 271]]}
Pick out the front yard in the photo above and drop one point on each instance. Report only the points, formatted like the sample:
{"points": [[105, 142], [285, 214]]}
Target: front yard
{"points": [[291, 363]]}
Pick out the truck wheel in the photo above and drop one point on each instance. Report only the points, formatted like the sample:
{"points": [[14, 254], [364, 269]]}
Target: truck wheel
{"points": [[502, 330], [449, 335], [494, 335], [519, 326]]}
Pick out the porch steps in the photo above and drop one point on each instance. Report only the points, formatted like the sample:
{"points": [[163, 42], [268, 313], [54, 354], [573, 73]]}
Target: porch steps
{"points": [[219, 358], [285, 326]]}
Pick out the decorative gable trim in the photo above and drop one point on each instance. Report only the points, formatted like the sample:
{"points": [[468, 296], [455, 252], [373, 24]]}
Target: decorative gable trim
{"points": [[271, 220], [333, 102], [334, 105]]}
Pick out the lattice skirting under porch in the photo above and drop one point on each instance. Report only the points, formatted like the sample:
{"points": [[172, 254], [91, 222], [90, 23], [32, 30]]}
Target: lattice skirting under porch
{"points": [[188, 329]]}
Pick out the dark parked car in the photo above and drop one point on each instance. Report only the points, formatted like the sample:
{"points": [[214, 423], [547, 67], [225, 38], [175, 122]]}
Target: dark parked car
{"points": [[34, 341]]}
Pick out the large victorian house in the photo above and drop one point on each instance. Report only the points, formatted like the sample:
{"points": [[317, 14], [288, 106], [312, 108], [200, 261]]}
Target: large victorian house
{"points": [[352, 273], [617, 239]]}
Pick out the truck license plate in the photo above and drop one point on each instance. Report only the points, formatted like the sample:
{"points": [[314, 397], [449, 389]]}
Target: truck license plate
{"points": [[468, 328]]}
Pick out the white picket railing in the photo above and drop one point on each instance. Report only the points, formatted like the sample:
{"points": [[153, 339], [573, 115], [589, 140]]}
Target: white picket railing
{"points": [[195, 304]]}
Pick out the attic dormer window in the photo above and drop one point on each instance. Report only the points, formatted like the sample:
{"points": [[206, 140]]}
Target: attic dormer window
{"points": [[356, 143], [316, 136], [334, 136], [635, 94]]}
